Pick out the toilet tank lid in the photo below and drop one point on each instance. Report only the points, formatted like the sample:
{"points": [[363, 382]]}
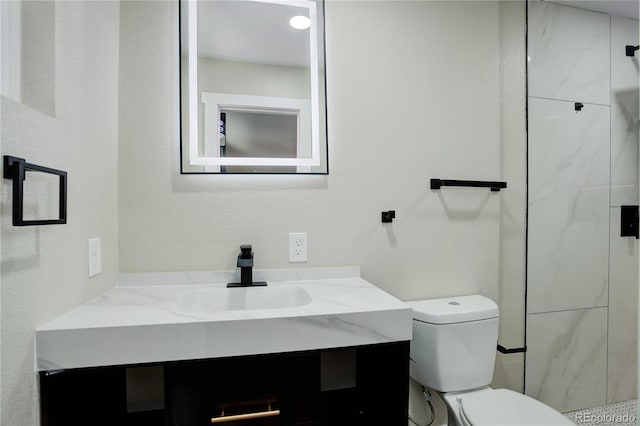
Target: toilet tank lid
{"points": [[451, 310]]}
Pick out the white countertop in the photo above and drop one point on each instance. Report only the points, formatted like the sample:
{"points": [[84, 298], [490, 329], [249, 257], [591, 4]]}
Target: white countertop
{"points": [[137, 321]]}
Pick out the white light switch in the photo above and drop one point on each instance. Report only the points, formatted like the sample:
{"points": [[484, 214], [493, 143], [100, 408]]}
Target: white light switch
{"points": [[95, 256]]}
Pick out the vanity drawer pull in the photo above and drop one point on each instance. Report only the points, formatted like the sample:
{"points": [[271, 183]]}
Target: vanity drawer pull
{"points": [[246, 416]]}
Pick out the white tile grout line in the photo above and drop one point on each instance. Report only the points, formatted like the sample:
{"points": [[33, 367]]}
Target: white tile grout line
{"points": [[620, 414]]}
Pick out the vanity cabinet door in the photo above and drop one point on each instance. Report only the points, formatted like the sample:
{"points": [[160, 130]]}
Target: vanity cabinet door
{"points": [[380, 392], [383, 384], [83, 397], [276, 389]]}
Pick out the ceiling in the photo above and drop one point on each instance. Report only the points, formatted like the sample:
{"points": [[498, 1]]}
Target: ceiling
{"points": [[252, 31], [623, 8], [259, 32]]}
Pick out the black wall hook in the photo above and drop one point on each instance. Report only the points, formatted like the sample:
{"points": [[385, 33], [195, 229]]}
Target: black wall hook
{"points": [[506, 351], [629, 221], [631, 50], [387, 217], [578, 106]]}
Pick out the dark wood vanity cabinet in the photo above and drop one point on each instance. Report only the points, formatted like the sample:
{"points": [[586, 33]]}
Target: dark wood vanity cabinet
{"points": [[83, 396], [365, 385], [201, 390]]}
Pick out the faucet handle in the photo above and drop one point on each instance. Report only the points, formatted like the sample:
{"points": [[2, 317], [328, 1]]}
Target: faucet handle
{"points": [[245, 251]]}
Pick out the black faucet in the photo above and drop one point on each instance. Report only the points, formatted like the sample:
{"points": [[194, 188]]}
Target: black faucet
{"points": [[245, 262]]}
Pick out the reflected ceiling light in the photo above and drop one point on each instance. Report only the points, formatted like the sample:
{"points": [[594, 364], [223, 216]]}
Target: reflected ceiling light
{"points": [[300, 22]]}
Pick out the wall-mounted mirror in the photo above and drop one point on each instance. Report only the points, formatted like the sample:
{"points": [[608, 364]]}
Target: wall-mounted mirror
{"points": [[252, 84]]}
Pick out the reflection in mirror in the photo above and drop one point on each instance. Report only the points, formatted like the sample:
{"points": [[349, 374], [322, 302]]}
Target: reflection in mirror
{"points": [[254, 134], [252, 87]]}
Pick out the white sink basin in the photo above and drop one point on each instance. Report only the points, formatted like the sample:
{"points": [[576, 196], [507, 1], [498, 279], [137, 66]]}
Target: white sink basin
{"points": [[166, 317], [208, 302]]}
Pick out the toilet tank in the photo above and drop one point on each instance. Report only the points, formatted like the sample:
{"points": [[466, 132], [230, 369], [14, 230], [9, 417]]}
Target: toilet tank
{"points": [[454, 342]]}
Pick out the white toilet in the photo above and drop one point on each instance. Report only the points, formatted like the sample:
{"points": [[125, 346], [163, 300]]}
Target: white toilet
{"points": [[453, 352]]}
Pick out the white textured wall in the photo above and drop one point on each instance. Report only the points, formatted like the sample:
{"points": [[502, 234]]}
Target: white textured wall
{"points": [[44, 269], [412, 94]]}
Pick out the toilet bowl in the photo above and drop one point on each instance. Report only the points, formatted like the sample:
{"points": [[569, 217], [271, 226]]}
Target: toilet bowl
{"points": [[453, 352]]}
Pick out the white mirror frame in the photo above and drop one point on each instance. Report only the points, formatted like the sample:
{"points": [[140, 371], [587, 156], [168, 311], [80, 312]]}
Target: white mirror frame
{"points": [[256, 103], [215, 103]]}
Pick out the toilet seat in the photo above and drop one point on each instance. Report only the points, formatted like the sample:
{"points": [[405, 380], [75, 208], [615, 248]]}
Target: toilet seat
{"points": [[504, 407]]}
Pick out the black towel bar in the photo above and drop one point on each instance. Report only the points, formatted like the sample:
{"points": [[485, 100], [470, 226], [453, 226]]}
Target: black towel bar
{"points": [[495, 186], [15, 169]]}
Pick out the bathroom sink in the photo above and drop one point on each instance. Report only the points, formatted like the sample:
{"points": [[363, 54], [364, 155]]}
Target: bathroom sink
{"points": [[163, 317], [207, 302]]}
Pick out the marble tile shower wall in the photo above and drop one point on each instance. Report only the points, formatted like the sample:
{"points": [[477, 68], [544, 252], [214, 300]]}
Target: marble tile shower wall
{"points": [[583, 164]]}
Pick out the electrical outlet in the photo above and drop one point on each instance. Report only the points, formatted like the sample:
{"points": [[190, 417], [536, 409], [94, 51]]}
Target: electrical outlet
{"points": [[95, 256], [297, 247]]}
